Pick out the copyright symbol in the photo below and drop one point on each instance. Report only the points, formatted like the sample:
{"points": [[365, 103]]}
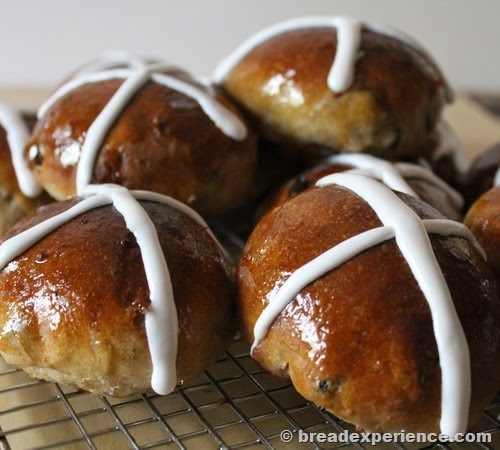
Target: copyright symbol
{"points": [[286, 436]]}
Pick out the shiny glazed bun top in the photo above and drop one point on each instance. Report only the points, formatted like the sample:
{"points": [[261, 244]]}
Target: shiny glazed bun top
{"points": [[144, 126], [339, 83], [135, 280], [378, 308]]}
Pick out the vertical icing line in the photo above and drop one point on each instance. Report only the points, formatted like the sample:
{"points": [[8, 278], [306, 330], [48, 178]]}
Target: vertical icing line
{"points": [[341, 73], [224, 119], [101, 125], [17, 135], [411, 236], [414, 244], [161, 316], [347, 48]]}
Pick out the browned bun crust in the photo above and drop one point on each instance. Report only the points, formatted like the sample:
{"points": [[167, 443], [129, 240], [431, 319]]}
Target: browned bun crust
{"points": [[81, 321], [483, 218], [359, 341], [428, 192], [163, 142], [482, 172], [390, 109], [13, 203]]}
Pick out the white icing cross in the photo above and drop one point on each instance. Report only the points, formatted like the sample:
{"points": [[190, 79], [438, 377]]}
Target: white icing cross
{"points": [[161, 316], [17, 136], [411, 235], [393, 175], [110, 59], [349, 30], [135, 78]]}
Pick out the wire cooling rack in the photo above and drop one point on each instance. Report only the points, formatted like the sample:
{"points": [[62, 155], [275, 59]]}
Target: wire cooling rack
{"points": [[234, 405]]}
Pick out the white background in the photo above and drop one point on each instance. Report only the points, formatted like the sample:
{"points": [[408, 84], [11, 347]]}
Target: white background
{"points": [[41, 41]]}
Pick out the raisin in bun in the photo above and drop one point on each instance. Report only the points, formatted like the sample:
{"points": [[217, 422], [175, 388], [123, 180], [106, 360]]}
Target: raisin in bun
{"points": [[149, 127], [403, 177], [336, 84], [376, 330], [114, 295], [19, 192], [483, 218]]}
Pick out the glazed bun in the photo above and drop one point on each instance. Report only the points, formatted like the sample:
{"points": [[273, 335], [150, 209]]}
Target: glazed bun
{"points": [[123, 294], [149, 127], [376, 330], [19, 193], [483, 218], [403, 177], [382, 94]]}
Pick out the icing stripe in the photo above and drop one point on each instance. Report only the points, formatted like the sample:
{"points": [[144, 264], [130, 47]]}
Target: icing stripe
{"points": [[110, 59], [411, 237], [496, 180], [101, 125], [349, 37], [161, 316], [221, 116], [17, 135], [394, 175], [313, 270]]}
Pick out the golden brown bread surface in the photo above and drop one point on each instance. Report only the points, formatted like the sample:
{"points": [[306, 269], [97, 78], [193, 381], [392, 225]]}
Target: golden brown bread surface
{"points": [[483, 218], [13, 203], [72, 307], [390, 109], [162, 142], [359, 341]]}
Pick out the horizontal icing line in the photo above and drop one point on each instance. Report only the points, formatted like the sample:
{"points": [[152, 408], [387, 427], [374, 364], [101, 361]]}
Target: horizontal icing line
{"points": [[233, 127], [17, 135], [80, 81], [445, 227], [16, 245], [111, 58], [314, 269], [376, 168]]}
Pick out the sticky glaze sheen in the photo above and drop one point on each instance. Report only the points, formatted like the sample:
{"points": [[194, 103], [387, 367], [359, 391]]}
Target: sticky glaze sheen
{"points": [[349, 33], [411, 235], [134, 79], [161, 317], [17, 135]]}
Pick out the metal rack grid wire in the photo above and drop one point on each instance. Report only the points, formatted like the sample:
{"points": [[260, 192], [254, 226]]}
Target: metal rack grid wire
{"points": [[234, 405]]}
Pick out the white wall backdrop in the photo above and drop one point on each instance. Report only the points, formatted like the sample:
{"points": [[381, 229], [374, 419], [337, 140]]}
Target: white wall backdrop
{"points": [[41, 41]]}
